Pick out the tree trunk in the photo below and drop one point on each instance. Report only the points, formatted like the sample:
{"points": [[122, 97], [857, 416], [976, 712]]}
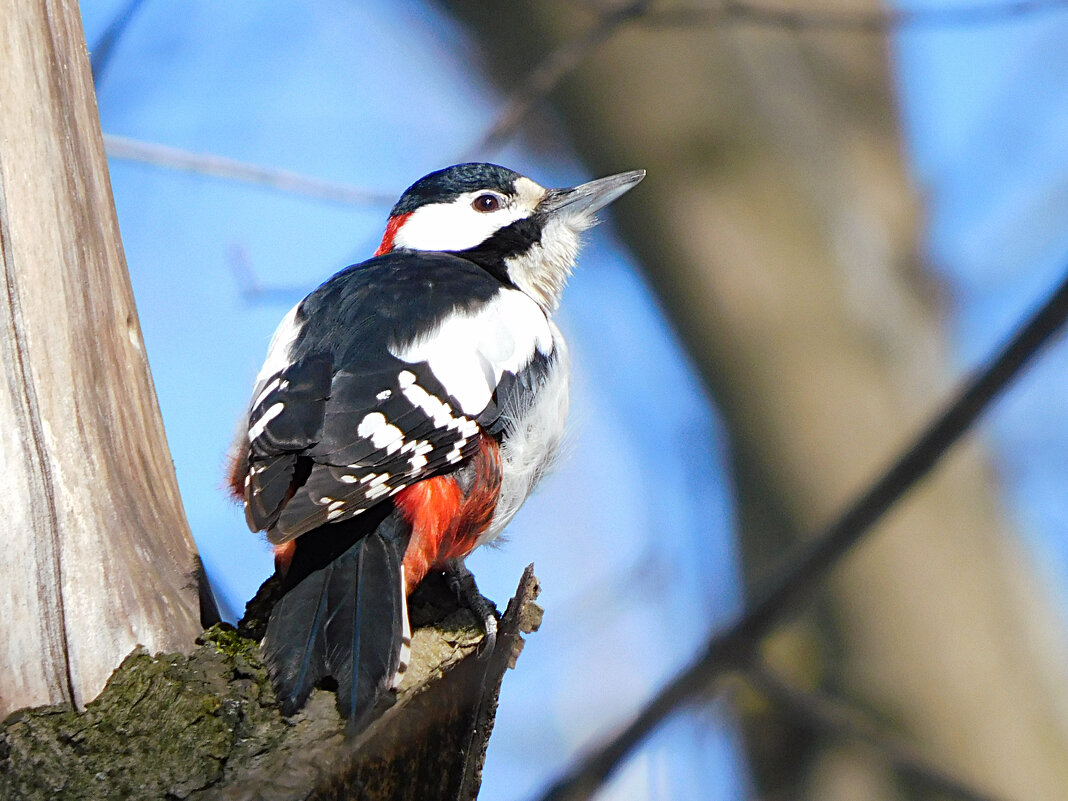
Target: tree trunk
{"points": [[206, 727], [779, 228], [97, 552]]}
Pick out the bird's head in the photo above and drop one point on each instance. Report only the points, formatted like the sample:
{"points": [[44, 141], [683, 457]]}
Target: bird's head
{"points": [[521, 232]]}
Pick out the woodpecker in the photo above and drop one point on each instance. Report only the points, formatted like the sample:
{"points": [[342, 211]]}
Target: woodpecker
{"points": [[405, 410]]}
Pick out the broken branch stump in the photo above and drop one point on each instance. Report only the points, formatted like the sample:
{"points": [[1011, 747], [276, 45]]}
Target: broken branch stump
{"points": [[206, 726]]}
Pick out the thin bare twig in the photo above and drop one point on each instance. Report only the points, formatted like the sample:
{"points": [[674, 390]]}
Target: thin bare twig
{"points": [[100, 55], [120, 147], [569, 55], [253, 291], [882, 21], [839, 719], [552, 69], [732, 647]]}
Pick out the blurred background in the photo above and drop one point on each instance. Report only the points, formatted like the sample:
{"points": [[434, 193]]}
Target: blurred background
{"points": [[848, 206]]}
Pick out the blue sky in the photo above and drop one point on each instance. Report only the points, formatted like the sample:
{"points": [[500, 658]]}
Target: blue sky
{"points": [[301, 86]]}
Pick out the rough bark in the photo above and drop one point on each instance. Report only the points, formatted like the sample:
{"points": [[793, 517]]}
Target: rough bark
{"points": [[206, 726], [779, 228], [97, 552]]}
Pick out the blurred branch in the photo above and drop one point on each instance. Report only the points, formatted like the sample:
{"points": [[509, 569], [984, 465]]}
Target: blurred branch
{"points": [[557, 65], [251, 289], [886, 21], [569, 55], [120, 147], [732, 647], [836, 718], [101, 52]]}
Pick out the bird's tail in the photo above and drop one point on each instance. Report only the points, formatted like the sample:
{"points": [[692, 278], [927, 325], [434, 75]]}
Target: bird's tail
{"points": [[344, 615]]}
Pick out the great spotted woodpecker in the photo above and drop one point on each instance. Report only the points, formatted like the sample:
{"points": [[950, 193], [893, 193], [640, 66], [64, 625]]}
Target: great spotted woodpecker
{"points": [[406, 409]]}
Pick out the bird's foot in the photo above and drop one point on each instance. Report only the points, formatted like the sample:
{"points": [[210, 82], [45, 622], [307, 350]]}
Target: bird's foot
{"points": [[462, 582]]}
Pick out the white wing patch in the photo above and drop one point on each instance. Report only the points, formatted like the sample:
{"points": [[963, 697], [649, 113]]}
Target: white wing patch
{"points": [[278, 351], [468, 353]]}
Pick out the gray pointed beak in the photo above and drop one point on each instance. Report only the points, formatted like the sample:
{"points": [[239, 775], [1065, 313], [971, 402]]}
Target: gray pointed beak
{"points": [[588, 198]]}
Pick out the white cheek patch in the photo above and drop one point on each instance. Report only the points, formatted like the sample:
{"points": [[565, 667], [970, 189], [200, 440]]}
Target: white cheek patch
{"points": [[456, 225]]}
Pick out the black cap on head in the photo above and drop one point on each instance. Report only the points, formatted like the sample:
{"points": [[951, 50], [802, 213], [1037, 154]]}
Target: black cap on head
{"points": [[444, 185]]}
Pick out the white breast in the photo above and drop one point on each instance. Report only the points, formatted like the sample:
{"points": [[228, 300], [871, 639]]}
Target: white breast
{"points": [[532, 440]]}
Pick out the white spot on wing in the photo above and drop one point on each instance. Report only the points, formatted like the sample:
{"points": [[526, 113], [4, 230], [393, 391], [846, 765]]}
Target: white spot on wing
{"points": [[258, 427], [433, 407], [377, 492], [417, 462], [272, 385], [381, 433]]}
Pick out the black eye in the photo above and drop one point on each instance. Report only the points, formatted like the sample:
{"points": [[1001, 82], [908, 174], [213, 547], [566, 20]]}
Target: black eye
{"points": [[486, 203]]}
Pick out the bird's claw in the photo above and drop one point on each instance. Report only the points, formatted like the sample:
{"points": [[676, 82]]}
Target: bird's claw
{"points": [[462, 583], [489, 642]]}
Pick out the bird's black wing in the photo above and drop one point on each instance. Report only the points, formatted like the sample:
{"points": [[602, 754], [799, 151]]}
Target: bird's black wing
{"points": [[384, 376]]}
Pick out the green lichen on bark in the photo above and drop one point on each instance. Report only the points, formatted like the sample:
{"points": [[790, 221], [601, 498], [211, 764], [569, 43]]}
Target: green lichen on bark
{"points": [[164, 727], [206, 726]]}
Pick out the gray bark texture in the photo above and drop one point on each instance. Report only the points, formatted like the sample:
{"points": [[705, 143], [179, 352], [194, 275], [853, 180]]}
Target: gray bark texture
{"points": [[206, 726], [97, 551], [779, 228]]}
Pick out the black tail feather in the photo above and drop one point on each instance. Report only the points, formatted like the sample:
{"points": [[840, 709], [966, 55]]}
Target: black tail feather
{"points": [[344, 620], [294, 647]]}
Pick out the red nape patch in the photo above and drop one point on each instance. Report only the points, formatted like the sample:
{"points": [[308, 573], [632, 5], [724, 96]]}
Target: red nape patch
{"points": [[392, 227]]}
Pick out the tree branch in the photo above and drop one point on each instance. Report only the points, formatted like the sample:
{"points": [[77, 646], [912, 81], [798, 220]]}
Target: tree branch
{"points": [[732, 647], [886, 21], [552, 69], [836, 718], [570, 54], [126, 149], [102, 51]]}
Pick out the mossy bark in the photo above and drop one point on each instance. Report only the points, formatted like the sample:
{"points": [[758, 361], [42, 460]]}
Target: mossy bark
{"points": [[206, 726]]}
